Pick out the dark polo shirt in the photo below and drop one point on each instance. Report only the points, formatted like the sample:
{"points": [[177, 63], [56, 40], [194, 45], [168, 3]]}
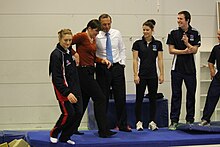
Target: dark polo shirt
{"points": [[184, 63], [147, 54], [215, 58]]}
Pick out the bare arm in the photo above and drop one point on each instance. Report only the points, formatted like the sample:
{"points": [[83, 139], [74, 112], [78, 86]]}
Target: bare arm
{"points": [[161, 67], [172, 50], [135, 67], [211, 69], [191, 50]]}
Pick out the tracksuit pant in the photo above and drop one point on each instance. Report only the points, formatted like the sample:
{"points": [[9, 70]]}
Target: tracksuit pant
{"points": [[211, 99], [176, 99]]}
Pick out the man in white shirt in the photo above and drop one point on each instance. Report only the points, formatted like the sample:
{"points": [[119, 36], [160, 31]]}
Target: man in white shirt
{"points": [[114, 76]]}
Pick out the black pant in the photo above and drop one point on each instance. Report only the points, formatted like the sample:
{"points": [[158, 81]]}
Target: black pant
{"points": [[212, 99], [176, 99], [114, 77], [68, 120], [79, 113], [152, 85], [90, 88]]}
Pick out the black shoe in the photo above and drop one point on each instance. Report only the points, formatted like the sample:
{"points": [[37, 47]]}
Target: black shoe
{"points": [[125, 129], [106, 134], [78, 133], [111, 132]]}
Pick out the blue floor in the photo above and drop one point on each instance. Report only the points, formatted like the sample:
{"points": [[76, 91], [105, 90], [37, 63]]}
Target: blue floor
{"points": [[161, 138], [213, 128]]}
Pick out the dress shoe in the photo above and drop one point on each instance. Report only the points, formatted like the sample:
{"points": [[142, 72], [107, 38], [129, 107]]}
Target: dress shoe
{"points": [[125, 129], [106, 134], [111, 132], [78, 133]]}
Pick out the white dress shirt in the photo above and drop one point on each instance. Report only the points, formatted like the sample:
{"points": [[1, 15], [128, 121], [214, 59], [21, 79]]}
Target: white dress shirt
{"points": [[118, 46]]}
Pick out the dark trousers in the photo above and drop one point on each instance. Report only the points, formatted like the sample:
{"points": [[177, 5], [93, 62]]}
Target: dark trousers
{"points": [[211, 99], [114, 77], [176, 99], [78, 107], [90, 88], [152, 85], [68, 121]]}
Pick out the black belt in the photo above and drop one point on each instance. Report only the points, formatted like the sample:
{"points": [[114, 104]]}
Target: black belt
{"points": [[85, 66], [117, 63]]}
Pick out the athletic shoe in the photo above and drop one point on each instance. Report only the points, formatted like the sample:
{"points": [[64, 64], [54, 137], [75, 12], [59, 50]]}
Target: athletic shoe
{"points": [[173, 126], [70, 142], [53, 140], [139, 126], [204, 123], [152, 126]]}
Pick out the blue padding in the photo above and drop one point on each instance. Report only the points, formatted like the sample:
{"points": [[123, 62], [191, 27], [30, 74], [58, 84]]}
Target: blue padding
{"points": [[161, 118], [214, 127], [8, 136], [1, 137], [147, 138]]}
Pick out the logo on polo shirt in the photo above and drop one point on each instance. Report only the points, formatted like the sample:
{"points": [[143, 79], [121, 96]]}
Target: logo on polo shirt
{"points": [[191, 37], [154, 48]]}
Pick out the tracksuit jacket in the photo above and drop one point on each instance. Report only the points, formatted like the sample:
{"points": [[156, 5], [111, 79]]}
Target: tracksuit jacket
{"points": [[66, 80]]}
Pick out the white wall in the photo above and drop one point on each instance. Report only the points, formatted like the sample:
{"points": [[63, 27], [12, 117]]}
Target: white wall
{"points": [[28, 33]]}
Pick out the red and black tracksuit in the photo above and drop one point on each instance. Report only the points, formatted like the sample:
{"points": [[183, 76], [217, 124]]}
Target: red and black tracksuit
{"points": [[65, 81]]}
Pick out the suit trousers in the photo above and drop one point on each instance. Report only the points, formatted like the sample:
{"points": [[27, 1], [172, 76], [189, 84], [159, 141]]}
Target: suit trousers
{"points": [[114, 78]]}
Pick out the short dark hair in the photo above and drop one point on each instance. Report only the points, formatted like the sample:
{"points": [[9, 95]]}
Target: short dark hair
{"points": [[104, 16], [187, 15]]}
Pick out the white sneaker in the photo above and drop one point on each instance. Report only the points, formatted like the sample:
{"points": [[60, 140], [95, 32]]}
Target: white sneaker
{"points": [[53, 140], [204, 123], [139, 126], [152, 126], [70, 142]]}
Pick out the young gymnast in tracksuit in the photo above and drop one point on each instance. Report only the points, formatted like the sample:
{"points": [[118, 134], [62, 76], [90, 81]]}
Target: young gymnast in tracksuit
{"points": [[65, 80]]}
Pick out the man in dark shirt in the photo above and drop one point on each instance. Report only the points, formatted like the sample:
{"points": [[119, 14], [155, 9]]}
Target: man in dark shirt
{"points": [[214, 88], [183, 44]]}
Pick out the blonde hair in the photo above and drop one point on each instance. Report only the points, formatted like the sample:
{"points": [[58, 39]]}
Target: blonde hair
{"points": [[63, 32]]}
